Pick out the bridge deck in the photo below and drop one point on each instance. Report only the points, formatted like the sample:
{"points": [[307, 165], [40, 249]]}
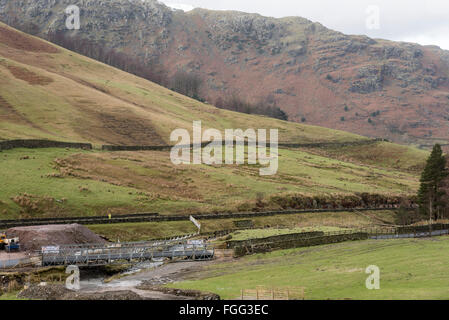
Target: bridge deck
{"points": [[120, 253]]}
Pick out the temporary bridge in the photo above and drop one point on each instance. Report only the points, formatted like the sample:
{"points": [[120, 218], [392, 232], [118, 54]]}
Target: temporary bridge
{"points": [[104, 254]]}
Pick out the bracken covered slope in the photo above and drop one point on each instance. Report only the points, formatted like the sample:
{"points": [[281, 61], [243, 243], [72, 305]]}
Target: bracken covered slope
{"points": [[49, 92], [371, 87]]}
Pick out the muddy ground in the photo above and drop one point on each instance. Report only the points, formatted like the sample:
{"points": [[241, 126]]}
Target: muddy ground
{"points": [[143, 285], [147, 283]]}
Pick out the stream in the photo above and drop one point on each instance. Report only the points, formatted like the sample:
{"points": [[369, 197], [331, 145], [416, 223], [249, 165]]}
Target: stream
{"points": [[96, 282]]}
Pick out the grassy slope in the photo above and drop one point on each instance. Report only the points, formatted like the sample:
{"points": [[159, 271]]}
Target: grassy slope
{"points": [[338, 271], [264, 233], [277, 225], [78, 99], [84, 94], [95, 182], [382, 154], [11, 296], [30, 176]]}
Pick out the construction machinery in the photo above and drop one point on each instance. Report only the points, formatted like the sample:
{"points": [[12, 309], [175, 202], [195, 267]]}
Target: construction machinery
{"points": [[12, 245], [3, 240], [9, 245]]}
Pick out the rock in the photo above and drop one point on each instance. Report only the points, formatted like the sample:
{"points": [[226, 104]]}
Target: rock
{"points": [[300, 50], [195, 294], [60, 292]]}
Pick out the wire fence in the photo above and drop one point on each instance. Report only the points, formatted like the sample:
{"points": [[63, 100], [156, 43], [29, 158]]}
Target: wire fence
{"points": [[265, 293]]}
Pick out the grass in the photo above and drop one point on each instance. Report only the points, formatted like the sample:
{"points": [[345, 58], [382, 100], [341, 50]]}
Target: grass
{"points": [[299, 172], [381, 154], [9, 296], [96, 182], [143, 231], [30, 176], [280, 224], [307, 220], [264, 233], [337, 271], [93, 102], [90, 101]]}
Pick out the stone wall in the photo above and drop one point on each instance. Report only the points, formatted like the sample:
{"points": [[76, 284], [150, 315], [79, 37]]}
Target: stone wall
{"points": [[280, 238], [34, 143], [299, 242], [280, 145]]}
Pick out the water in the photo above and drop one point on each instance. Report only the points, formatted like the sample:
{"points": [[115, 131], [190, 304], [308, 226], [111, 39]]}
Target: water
{"points": [[97, 283]]}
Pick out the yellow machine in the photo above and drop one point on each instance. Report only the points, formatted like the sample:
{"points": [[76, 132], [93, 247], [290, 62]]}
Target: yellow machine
{"points": [[3, 240], [9, 244]]}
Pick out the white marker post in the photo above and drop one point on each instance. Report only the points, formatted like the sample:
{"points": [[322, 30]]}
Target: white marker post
{"points": [[196, 223]]}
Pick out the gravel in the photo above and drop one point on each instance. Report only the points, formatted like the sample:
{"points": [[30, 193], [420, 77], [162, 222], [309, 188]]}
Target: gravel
{"points": [[35, 237]]}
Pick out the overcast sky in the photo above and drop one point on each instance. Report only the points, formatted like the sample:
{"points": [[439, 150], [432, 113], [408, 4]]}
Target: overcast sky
{"points": [[422, 21]]}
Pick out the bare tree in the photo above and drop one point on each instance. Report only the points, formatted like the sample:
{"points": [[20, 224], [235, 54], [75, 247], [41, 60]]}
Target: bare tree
{"points": [[150, 70], [265, 106], [188, 84]]}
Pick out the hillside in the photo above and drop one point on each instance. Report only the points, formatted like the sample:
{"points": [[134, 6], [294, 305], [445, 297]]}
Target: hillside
{"points": [[49, 92], [336, 271], [373, 87]]}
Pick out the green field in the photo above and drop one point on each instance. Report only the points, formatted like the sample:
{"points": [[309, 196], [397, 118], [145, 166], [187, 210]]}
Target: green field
{"points": [[269, 232], [57, 94], [409, 269], [80, 182], [128, 232], [69, 195], [11, 296]]}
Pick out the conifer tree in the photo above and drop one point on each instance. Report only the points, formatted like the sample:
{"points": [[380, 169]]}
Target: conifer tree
{"points": [[431, 193]]}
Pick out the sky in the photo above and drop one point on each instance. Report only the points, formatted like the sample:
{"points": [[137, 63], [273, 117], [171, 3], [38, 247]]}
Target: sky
{"points": [[421, 21]]}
